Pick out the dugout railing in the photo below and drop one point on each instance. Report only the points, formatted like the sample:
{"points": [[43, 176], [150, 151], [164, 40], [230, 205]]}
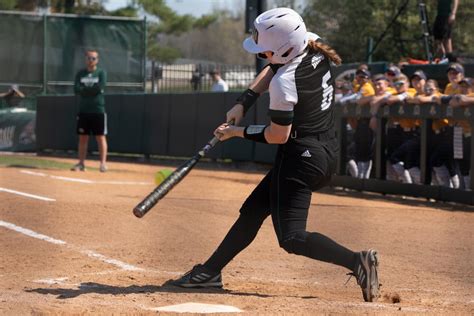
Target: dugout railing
{"points": [[177, 125], [426, 113]]}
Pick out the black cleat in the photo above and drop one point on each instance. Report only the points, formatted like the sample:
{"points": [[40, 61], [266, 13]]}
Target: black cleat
{"points": [[199, 277], [365, 272]]}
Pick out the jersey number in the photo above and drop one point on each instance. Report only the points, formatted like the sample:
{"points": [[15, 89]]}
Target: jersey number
{"points": [[327, 92]]}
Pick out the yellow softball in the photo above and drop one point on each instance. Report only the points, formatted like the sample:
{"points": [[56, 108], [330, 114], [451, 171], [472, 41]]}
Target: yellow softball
{"points": [[161, 175]]}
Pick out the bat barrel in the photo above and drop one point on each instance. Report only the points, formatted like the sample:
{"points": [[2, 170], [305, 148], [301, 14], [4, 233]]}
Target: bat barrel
{"points": [[144, 206]]}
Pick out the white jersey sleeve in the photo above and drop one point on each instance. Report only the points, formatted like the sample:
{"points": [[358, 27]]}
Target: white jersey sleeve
{"points": [[283, 93]]}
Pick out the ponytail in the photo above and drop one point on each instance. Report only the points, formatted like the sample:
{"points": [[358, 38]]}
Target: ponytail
{"points": [[326, 50]]}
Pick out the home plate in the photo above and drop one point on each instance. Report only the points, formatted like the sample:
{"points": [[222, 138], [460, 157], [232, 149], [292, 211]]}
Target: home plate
{"points": [[198, 308]]}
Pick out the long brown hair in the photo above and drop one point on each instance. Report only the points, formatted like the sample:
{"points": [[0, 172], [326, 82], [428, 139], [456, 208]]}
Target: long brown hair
{"points": [[326, 50]]}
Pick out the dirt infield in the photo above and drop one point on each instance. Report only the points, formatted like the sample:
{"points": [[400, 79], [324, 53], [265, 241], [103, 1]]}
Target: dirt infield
{"points": [[73, 246]]}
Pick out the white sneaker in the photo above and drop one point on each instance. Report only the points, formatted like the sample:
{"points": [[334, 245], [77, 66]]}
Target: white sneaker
{"points": [[103, 167], [78, 167]]}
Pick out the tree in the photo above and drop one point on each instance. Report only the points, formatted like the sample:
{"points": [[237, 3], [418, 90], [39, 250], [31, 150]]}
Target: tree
{"points": [[347, 25], [7, 4], [220, 42]]}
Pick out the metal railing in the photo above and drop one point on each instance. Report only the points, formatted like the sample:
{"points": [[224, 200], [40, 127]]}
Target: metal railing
{"points": [[196, 77]]}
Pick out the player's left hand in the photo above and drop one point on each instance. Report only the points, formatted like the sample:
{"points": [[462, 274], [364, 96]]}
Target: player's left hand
{"points": [[226, 131]]}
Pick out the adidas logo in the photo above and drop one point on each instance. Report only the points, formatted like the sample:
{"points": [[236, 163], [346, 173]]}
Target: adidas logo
{"points": [[306, 154]]}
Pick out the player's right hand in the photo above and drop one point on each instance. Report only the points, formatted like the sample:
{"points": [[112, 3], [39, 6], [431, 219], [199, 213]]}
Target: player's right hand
{"points": [[235, 114]]}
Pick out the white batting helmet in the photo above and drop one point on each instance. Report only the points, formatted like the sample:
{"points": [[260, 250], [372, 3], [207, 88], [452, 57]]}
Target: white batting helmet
{"points": [[281, 31]]}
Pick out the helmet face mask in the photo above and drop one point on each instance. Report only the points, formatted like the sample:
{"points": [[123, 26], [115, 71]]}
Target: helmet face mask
{"points": [[280, 31]]}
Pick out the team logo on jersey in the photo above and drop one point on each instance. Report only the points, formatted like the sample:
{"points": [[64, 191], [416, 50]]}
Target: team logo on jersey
{"points": [[316, 60], [89, 81]]}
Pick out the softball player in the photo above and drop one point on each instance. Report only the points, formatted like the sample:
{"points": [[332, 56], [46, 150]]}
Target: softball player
{"points": [[301, 88]]}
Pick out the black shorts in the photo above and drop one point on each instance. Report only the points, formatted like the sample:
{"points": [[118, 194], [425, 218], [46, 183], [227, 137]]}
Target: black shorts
{"points": [[92, 123], [442, 29]]}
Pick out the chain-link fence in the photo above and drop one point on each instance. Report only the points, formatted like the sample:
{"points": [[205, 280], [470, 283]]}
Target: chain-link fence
{"points": [[42, 53]]}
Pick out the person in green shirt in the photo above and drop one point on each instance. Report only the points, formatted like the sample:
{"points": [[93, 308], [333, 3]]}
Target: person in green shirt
{"points": [[89, 84]]}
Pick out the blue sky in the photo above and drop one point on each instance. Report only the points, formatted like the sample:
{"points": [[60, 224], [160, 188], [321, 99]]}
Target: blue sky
{"points": [[193, 7]]}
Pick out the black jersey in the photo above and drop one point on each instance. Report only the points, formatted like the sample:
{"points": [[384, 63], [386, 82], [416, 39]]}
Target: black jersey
{"points": [[305, 86]]}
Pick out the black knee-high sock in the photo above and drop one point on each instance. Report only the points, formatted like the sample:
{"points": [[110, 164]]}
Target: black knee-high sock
{"points": [[241, 234]]}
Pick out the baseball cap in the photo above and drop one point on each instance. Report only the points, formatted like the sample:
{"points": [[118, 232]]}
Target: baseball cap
{"points": [[363, 72], [394, 70], [468, 81], [419, 73], [456, 67], [378, 77]]}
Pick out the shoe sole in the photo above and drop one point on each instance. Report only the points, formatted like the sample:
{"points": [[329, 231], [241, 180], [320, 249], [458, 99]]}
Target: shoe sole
{"points": [[200, 285], [371, 293]]}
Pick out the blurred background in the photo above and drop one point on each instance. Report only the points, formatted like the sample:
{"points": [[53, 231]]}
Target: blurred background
{"points": [[166, 59]]}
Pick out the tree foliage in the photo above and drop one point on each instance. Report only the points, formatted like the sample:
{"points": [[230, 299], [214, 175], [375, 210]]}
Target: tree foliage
{"points": [[220, 42], [348, 24], [7, 4]]}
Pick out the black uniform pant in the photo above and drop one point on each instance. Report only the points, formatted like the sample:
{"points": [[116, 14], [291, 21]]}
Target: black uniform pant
{"points": [[442, 150], [364, 140], [285, 194], [409, 151]]}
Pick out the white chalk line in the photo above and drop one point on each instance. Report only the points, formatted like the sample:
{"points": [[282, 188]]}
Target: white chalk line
{"points": [[78, 180], [120, 264], [33, 196]]}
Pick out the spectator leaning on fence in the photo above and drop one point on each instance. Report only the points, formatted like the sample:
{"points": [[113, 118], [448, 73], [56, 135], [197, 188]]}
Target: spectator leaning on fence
{"points": [[382, 93], [462, 131], [444, 165], [406, 158], [455, 73], [392, 73], [363, 135], [399, 130], [89, 84]]}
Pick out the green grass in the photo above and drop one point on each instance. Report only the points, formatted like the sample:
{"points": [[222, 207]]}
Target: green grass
{"points": [[32, 162]]}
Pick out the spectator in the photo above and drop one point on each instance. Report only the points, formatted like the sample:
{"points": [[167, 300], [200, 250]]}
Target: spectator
{"points": [[13, 96], [363, 135], [418, 81], [343, 90], [219, 85], [399, 130], [455, 73], [467, 98], [462, 131], [392, 73], [381, 96], [355, 82], [442, 29], [407, 157], [196, 79], [89, 84]]}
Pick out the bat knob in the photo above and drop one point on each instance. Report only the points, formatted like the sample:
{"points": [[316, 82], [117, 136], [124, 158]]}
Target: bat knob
{"points": [[138, 212]]}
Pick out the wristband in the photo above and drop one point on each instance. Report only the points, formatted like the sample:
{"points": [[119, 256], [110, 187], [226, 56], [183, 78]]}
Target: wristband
{"points": [[247, 99], [255, 133]]}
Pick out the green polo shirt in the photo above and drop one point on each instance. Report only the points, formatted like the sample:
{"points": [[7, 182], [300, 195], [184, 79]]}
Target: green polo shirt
{"points": [[90, 87]]}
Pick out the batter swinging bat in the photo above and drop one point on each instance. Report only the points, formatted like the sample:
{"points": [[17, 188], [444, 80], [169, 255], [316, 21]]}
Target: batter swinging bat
{"points": [[173, 179]]}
